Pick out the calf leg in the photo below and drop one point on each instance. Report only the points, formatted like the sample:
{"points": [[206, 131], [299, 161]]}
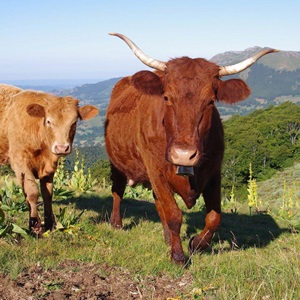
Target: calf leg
{"points": [[212, 198], [118, 187], [31, 193], [47, 192]]}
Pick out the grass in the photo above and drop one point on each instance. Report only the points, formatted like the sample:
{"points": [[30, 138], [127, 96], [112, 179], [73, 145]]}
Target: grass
{"points": [[252, 256]]}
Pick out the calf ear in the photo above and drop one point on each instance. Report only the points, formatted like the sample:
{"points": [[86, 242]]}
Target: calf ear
{"points": [[36, 110], [87, 112], [147, 82], [232, 91]]}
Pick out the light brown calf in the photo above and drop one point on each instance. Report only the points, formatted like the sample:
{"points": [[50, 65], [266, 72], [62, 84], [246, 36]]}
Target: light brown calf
{"points": [[36, 129]]}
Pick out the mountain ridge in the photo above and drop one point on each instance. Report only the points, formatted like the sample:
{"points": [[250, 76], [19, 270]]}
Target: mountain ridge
{"points": [[282, 60]]}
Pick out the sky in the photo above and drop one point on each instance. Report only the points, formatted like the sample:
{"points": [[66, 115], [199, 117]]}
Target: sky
{"points": [[68, 39]]}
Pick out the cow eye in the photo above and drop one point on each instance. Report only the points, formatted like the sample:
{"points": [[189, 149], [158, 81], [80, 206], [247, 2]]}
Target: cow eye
{"points": [[166, 98], [48, 122]]}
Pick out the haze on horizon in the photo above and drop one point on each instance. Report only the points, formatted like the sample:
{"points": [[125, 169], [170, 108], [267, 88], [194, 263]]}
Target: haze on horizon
{"points": [[57, 40]]}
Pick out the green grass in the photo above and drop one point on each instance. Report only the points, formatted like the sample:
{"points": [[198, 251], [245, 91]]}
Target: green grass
{"points": [[251, 257]]}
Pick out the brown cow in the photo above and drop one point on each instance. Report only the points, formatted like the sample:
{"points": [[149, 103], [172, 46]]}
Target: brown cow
{"points": [[36, 129], [158, 121]]}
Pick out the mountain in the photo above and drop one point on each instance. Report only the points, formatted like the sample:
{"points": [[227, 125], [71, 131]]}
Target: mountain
{"points": [[96, 94], [282, 60], [273, 79]]}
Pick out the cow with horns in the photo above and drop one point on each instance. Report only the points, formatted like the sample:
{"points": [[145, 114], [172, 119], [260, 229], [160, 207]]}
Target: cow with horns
{"points": [[163, 129]]}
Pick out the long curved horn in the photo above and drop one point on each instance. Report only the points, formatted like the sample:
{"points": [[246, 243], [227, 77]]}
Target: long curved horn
{"points": [[147, 60], [239, 67]]}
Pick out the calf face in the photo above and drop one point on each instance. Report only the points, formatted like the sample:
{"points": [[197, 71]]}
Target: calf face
{"points": [[60, 118]]}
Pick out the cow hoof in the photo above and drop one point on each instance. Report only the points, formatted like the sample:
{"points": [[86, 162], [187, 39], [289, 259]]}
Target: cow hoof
{"points": [[116, 226], [196, 245], [49, 223], [179, 259], [35, 227], [190, 248]]}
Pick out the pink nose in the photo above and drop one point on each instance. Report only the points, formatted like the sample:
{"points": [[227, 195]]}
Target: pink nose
{"points": [[62, 149], [184, 155]]}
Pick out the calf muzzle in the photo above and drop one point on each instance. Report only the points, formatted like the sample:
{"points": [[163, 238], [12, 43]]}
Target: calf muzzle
{"points": [[62, 149]]}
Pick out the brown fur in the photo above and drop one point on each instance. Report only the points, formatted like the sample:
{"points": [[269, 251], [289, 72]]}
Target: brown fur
{"points": [[151, 119], [36, 128]]}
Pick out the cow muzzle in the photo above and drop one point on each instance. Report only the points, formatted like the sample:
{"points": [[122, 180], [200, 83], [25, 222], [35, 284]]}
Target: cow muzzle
{"points": [[187, 156], [61, 149]]}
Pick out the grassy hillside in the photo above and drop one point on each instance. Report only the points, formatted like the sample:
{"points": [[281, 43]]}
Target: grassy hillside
{"points": [[253, 256]]}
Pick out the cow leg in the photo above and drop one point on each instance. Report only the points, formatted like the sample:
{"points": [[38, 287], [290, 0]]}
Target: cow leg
{"points": [[186, 188], [118, 187], [171, 218], [47, 192], [159, 208], [212, 198]]}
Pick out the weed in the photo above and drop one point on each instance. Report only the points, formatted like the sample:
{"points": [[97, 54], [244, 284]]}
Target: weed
{"points": [[138, 192], [231, 203], [61, 182], [10, 229], [12, 198], [67, 222], [252, 191], [67, 185]]}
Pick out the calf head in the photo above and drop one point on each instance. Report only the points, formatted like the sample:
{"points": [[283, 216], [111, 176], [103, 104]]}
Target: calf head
{"points": [[60, 116]]}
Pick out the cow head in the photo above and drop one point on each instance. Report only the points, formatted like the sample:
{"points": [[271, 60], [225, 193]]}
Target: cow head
{"points": [[189, 88], [59, 116]]}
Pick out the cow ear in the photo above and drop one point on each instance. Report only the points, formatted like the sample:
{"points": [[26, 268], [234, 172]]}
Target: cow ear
{"points": [[87, 112], [36, 110], [147, 82], [232, 90]]}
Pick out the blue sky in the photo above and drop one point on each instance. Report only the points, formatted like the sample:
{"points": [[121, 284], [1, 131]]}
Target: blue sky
{"points": [[62, 39]]}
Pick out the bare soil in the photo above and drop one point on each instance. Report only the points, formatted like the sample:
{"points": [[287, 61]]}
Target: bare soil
{"points": [[80, 281]]}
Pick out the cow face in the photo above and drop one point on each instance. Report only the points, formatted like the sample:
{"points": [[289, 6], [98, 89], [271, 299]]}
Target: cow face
{"points": [[189, 89], [60, 116]]}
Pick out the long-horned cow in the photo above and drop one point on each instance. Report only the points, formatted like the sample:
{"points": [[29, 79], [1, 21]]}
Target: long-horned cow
{"points": [[36, 129], [164, 124]]}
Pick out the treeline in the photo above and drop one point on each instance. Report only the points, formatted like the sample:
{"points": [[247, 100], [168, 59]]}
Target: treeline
{"points": [[268, 139], [91, 156]]}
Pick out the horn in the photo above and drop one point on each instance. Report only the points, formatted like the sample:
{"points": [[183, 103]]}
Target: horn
{"points": [[147, 60], [239, 67]]}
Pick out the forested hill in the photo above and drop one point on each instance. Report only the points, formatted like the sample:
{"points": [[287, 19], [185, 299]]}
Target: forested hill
{"points": [[268, 139], [274, 79]]}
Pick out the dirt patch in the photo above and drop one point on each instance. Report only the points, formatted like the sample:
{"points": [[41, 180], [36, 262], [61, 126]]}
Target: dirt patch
{"points": [[80, 281]]}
